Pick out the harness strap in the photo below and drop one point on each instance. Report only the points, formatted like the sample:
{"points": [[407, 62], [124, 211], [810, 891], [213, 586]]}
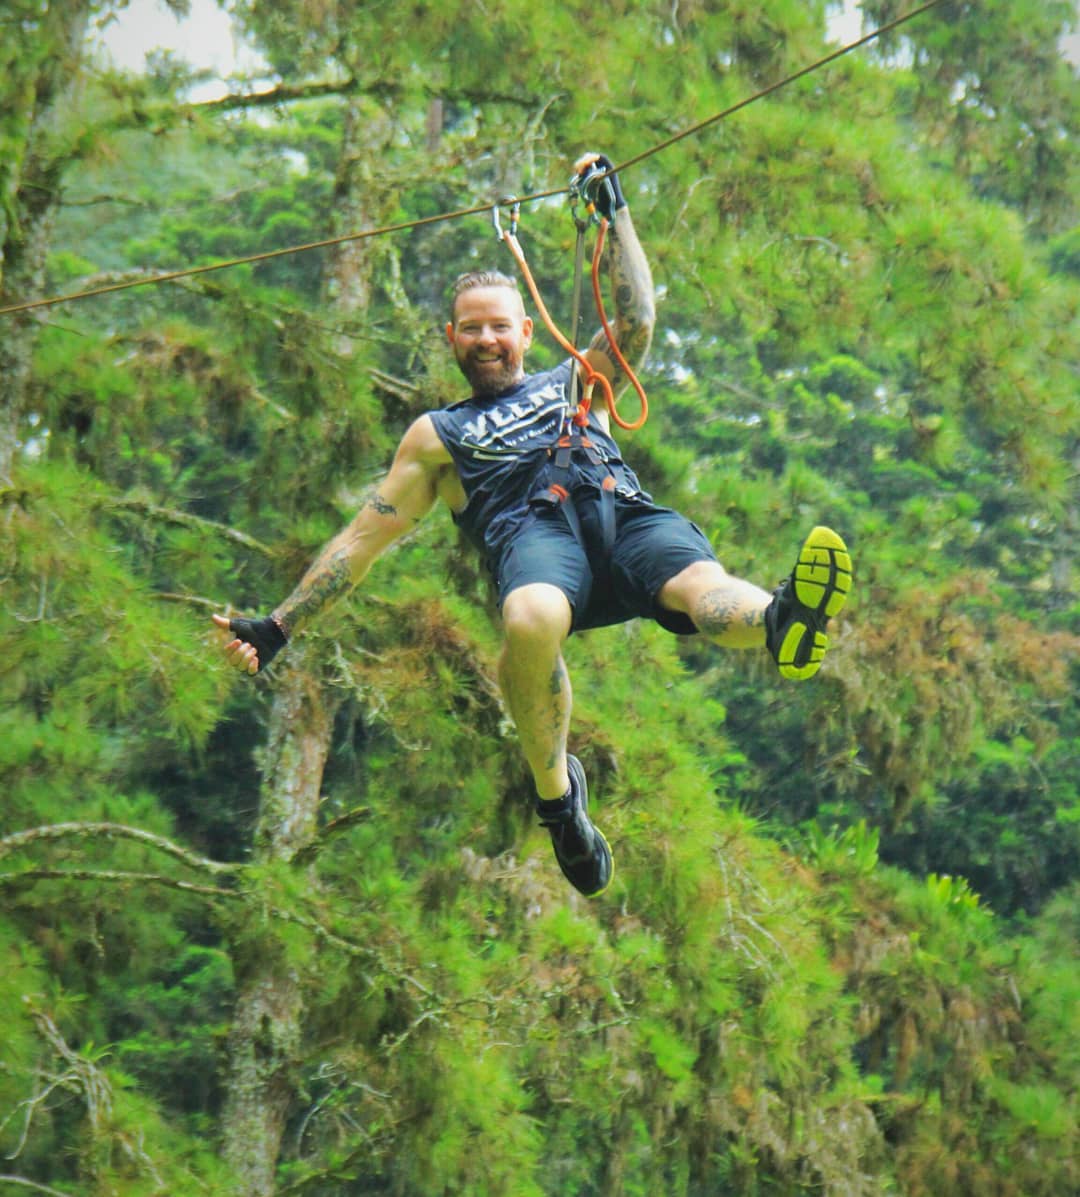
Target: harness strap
{"points": [[559, 498], [557, 494], [607, 514], [579, 270]]}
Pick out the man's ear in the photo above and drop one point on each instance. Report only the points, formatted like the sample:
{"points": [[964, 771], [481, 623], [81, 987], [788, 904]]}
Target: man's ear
{"points": [[527, 330], [450, 332]]}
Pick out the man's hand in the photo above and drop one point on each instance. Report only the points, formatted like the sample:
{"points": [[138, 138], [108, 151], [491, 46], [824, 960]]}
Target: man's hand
{"points": [[256, 643], [604, 192]]}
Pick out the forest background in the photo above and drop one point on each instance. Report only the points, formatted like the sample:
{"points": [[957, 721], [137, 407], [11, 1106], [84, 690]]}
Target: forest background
{"points": [[300, 935]]}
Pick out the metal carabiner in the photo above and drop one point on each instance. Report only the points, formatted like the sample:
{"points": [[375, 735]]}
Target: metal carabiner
{"points": [[590, 180], [574, 191], [515, 210]]}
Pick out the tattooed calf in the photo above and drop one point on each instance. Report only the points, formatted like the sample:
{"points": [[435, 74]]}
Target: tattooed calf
{"points": [[716, 613]]}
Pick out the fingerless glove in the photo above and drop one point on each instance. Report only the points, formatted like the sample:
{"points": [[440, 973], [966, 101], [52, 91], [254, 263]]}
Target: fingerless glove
{"points": [[604, 192], [267, 636]]}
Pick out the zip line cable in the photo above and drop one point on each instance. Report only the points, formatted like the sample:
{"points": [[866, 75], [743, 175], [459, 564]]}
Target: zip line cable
{"points": [[768, 91], [478, 209]]}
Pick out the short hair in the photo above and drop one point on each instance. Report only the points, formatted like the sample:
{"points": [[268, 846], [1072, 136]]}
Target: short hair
{"points": [[480, 278]]}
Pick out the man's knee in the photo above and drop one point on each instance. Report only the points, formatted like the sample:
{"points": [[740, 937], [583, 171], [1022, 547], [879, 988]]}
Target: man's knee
{"points": [[535, 613], [682, 592]]}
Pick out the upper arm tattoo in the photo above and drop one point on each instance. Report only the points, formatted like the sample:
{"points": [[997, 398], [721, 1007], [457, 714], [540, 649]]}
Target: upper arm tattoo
{"points": [[379, 505]]}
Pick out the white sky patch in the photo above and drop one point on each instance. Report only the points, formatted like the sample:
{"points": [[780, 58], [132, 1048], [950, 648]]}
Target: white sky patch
{"points": [[204, 39], [843, 23]]}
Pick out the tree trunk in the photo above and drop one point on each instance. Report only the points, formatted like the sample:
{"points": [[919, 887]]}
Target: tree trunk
{"points": [[267, 1027], [267, 1031], [1062, 570], [359, 201]]}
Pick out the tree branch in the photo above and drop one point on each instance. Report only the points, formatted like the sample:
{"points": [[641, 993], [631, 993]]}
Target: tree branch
{"points": [[190, 600], [92, 200], [31, 1184], [109, 278], [186, 520], [358, 950], [13, 880], [84, 1077], [359, 814], [393, 385], [317, 928], [58, 831], [283, 93], [162, 116]]}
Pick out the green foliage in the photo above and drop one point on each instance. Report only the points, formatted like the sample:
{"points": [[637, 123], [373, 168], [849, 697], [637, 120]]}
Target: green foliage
{"points": [[853, 851], [994, 95], [171, 1028], [839, 954]]}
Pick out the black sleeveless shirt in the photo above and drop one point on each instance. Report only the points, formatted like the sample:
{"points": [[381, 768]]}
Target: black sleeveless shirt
{"points": [[500, 449]]}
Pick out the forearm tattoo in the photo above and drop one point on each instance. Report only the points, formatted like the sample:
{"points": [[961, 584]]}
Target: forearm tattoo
{"points": [[631, 285], [325, 581]]}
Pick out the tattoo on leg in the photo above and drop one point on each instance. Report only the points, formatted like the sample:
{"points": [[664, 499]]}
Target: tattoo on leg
{"points": [[715, 612], [556, 689]]}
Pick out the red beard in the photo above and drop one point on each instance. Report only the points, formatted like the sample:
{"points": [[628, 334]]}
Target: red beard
{"points": [[489, 378]]}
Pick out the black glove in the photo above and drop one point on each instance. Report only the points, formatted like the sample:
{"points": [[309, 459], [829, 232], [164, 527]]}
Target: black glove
{"points": [[603, 191], [265, 635]]}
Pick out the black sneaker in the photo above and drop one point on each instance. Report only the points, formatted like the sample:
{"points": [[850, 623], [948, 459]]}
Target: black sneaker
{"points": [[580, 848], [805, 601]]}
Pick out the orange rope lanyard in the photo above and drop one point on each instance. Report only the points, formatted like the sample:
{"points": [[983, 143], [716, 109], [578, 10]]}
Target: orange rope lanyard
{"points": [[590, 376]]}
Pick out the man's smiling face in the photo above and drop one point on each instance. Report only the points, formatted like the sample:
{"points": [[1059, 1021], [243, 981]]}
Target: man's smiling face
{"points": [[489, 335]]}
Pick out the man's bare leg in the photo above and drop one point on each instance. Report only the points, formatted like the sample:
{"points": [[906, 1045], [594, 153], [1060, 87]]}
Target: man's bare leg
{"points": [[791, 622], [727, 609], [535, 683], [532, 673]]}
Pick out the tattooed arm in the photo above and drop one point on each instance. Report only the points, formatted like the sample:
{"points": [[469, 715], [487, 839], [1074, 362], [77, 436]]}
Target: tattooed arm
{"points": [[629, 278], [407, 493], [632, 288], [396, 505]]}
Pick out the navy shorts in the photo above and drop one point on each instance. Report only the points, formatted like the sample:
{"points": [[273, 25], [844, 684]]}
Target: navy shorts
{"points": [[652, 545]]}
